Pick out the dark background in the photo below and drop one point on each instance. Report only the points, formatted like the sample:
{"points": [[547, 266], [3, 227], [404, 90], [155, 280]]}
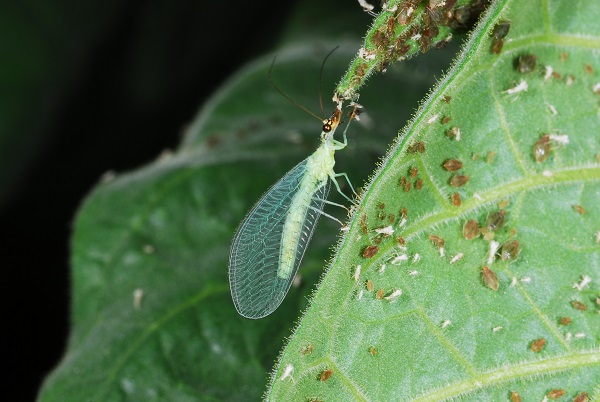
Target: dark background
{"points": [[87, 87]]}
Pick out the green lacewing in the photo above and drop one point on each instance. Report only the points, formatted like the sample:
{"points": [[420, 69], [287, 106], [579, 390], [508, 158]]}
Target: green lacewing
{"points": [[269, 244]]}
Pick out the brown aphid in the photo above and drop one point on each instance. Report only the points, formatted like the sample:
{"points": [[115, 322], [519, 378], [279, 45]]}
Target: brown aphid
{"points": [[515, 396], [415, 147], [372, 351], [541, 149], [579, 209], [405, 14], [325, 374], [308, 349], [489, 278], [414, 171], [379, 295], [582, 397], [381, 205], [363, 224], [470, 229], [564, 320], [419, 184], [556, 393], [577, 305], [380, 39], [475, 157], [510, 250], [491, 156], [564, 56], [459, 180], [391, 25], [404, 213], [501, 29], [391, 218], [497, 46], [401, 241], [452, 165], [369, 285], [361, 69], [538, 345], [446, 119], [437, 241], [447, 98], [589, 69], [370, 251], [503, 204], [495, 221], [407, 186], [526, 63], [461, 16], [402, 181], [456, 200]]}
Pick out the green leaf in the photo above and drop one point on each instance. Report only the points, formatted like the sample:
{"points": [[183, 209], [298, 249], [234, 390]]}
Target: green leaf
{"points": [[152, 316], [529, 323]]}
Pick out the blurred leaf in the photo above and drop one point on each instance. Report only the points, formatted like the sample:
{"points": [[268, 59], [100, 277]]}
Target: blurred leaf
{"points": [[152, 316], [437, 324]]}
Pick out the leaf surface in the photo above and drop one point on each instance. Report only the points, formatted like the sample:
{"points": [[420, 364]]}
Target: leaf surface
{"points": [[422, 318]]}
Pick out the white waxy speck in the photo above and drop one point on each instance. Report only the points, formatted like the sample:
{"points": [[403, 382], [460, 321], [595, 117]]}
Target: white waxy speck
{"points": [[570, 80], [446, 323], [386, 231], [568, 337], [356, 275], [585, 280], [287, 372], [366, 6], [526, 279], [433, 118], [552, 109], [596, 88], [494, 246], [548, 73], [456, 258], [513, 282], [382, 269], [547, 173], [579, 335], [442, 252], [398, 259], [477, 197], [598, 237], [394, 295], [138, 296], [360, 295], [402, 222], [497, 329], [559, 139], [520, 87], [413, 273]]}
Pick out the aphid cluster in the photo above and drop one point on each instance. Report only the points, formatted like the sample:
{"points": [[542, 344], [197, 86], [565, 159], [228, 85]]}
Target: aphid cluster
{"points": [[415, 25]]}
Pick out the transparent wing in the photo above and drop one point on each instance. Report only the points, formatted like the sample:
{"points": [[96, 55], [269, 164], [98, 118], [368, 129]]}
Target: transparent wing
{"points": [[254, 258]]}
